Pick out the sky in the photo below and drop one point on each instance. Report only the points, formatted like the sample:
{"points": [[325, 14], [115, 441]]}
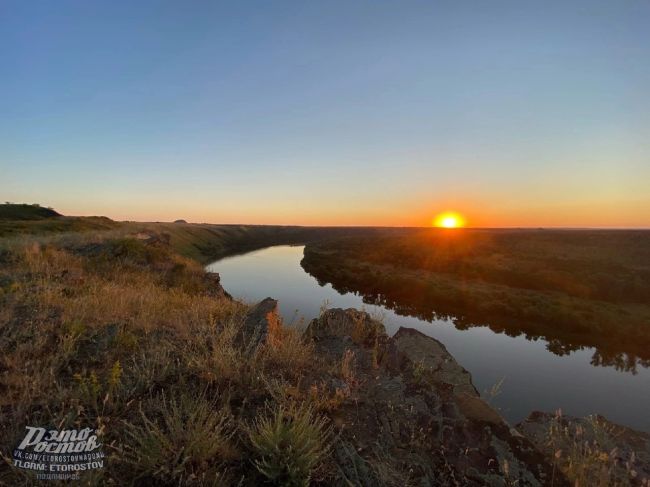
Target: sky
{"points": [[329, 112]]}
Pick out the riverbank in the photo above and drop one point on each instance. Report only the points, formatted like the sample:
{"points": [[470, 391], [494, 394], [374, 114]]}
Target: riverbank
{"points": [[202, 242]]}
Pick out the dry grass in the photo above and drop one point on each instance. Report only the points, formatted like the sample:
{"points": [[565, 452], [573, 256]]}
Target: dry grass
{"points": [[187, 440], [108, 331], [587, 455]]}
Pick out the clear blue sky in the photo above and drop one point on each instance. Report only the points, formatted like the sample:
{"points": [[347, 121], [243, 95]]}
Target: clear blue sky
{"points": [[354, 112]]}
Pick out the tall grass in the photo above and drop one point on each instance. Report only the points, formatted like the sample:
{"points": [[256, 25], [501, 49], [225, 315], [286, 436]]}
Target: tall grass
{"points": [[184, 440], [113, 332], [587, 454]]}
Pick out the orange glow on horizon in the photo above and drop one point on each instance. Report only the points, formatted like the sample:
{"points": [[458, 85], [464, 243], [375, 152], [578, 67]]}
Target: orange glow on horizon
{"points": [[473, 212], [449, 220]]}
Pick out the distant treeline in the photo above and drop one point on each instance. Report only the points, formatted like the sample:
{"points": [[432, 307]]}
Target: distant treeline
{"points": [[572, 288]]}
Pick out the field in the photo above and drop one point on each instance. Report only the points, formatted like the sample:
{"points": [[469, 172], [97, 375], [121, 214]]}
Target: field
{"points": [[573, 288]]}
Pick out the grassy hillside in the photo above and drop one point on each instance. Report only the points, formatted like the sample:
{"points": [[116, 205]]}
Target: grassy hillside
{"points": [[9, 211], [201, 242], [204, 242], [19, 220], [122, 334], [116, 326]]}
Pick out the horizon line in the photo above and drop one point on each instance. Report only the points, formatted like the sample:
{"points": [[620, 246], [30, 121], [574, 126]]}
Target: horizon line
{"points": [[382, 226]]}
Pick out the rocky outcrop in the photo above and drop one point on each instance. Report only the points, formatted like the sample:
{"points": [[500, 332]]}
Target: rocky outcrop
{"points": [[339, 323], [410, 411], [262, 320], [213, 281], [409, 414], [432, 356]]}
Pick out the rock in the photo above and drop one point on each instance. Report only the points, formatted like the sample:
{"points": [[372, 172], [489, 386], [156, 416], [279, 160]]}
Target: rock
{"points": [[215, 288], [339, 323], [624, 448], [411, 409], [152, 237], [428, 355], [476, 409], [262, 321], [180, 221], [146, 236]]}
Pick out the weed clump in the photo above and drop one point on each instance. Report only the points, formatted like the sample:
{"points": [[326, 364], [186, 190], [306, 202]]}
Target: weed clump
{"points": [[289, 443], [586, 452], [187, 441]]}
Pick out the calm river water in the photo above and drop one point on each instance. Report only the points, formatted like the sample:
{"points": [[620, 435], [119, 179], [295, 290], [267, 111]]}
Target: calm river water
{"points": [[533, 378]]}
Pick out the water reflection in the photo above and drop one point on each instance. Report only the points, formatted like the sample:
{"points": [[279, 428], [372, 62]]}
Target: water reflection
{"points": [[612, 347]]}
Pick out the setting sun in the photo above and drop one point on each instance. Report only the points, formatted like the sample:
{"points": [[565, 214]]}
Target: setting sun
{"points": [[449, 220]]}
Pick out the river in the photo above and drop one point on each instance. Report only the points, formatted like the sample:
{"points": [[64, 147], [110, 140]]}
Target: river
{"points": [[532, 378]]}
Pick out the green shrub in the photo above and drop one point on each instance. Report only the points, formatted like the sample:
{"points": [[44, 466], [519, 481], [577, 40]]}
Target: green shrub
{"points": [[289, 444]]}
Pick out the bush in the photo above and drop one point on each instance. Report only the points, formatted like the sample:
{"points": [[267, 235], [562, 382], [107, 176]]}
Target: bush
{"points": [[290, 442]]}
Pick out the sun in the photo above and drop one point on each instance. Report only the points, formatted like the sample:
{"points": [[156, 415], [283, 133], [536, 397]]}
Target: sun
{"points": [[449, 220]]}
